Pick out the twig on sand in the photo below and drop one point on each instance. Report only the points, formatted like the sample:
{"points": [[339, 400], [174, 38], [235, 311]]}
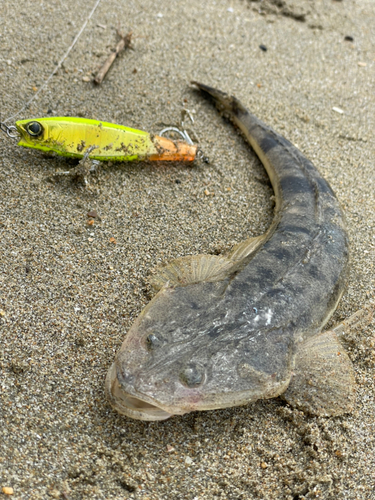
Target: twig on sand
{"points": [[124, 43]]}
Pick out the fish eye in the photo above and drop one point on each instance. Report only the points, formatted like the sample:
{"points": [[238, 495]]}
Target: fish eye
{"points": [[152, 342], [34, 129], [192, 376]]}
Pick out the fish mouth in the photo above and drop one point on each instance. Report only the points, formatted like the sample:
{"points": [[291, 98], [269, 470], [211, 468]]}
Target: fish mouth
{"points": [[128, 404]]}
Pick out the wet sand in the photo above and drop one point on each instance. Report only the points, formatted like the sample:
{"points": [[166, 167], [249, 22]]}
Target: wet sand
{"points": [[70, 290]]}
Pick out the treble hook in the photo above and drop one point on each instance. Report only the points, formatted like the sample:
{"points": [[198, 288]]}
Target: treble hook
{"points": [[182, 133], [9, 131]]}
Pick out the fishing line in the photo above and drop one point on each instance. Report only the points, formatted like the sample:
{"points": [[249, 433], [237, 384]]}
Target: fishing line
{"points": [[58, 65]]}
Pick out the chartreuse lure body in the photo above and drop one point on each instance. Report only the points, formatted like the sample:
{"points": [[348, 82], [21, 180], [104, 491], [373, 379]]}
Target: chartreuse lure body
{"points": [[72, 137]]}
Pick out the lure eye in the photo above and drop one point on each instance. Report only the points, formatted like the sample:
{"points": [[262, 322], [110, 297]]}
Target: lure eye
{"points": [[34, 129]]}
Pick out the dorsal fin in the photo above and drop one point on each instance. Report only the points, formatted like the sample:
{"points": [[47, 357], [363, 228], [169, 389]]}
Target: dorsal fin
{"points": [[245, 248], [196, 268]]}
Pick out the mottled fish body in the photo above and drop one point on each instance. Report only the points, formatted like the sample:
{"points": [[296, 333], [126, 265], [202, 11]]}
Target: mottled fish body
{"points": [[224, 331]]}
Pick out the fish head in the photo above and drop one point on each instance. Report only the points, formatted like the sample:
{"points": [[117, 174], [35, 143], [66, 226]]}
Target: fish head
{"points": [[182, 355], [154, 375]]}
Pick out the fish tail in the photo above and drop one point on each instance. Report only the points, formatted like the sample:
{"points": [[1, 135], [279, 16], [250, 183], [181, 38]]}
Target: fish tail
{"points": [[223, 101]]}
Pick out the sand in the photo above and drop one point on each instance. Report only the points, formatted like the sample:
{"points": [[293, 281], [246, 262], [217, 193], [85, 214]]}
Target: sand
{"points": [[70, 290]]}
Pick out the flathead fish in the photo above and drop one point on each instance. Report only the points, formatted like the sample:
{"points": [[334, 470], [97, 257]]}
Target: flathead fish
{"points": [[226, 330]]}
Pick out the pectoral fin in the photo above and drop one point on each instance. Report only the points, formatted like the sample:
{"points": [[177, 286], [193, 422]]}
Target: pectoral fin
{"points": [[192, 269], [323, 382]]}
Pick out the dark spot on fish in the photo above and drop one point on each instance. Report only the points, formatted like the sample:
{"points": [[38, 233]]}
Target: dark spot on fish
{"points": [[276, 292], [280, 253], [214, 332], [314, 271], [263, 274], [237, 108], [292, 184], [263, 47], [177, 181], [192, 375], [268, 143], [294, 229], [349, 38]]}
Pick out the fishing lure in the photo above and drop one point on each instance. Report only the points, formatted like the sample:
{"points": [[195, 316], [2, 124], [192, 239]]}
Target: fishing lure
{"points": [[73, 137]]}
